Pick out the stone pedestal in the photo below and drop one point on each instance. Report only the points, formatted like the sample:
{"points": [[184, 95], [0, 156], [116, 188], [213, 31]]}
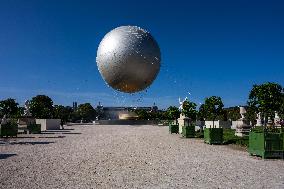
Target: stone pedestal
{"points": [[269, 122], [259, 123], [242, 128], [182, 121], [49, 124], [218, 124]]}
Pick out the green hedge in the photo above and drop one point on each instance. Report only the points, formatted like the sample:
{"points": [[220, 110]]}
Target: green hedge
{"points": [[173, 128], [230, 138], [9, 129], [213, 135]]}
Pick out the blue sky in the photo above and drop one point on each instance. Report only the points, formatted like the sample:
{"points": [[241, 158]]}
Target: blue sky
{"points": [[208, 48]]}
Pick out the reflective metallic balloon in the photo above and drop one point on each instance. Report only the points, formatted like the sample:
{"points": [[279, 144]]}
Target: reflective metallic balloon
{"points": [[128, 59]]}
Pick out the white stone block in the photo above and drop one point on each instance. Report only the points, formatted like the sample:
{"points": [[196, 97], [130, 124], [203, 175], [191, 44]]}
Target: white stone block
{"points": [[49, 124], [218, 124]]}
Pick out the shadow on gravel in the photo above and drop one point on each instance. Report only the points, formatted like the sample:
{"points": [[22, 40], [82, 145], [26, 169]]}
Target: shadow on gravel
{"points": [[72, 133], [5, 156], [68, 129], [28, 143], [47, 133], [52, 137], [56, 131]]}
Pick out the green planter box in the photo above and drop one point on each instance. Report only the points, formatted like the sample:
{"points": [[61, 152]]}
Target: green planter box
{"points": [[266, 144], [34, 128], [213, 135], [173, 128], [188, 131], [9, 129]]}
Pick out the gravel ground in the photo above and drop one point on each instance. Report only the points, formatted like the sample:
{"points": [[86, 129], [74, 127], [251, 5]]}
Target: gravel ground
{"points": [[129, 157]]}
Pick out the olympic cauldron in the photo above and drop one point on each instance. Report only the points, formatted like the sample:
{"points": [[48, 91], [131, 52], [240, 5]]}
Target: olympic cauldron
{"points": [[128, 58]]}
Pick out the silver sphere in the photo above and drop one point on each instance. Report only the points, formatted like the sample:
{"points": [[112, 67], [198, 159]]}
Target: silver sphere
{"points": [[128, 59]]}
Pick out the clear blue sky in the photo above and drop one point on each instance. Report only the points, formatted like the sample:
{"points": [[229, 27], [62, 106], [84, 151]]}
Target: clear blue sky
{"points": [[208, 48]]}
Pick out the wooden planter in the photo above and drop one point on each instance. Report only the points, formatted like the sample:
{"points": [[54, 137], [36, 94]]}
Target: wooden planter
{"points": [[173, 128], [188, 131], [266, 144], [9, 130], [213, 135], [34, 128]]}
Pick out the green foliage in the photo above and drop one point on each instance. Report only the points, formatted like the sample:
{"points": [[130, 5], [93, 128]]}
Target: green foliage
{"points": [[9, 107], [75, 117], [41, 107], [201, 115], [34, 128], [62, 112], [9, 129], [281, 110], [251, 115], [230, 138], [143, 114], [266, 98], [86, 112], [212, 108], [189, 109], [233, 113], [173, 113]]}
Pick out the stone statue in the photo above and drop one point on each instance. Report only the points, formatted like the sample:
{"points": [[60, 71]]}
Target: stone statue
{"points": [[181, 103], [27, 108], [259, 120], [242, 112], [276, 115], [258, 115], [277, 119], [4, 120]]}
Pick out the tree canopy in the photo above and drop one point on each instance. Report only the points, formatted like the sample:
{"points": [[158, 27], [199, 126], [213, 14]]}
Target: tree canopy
{"points": [[41, 107], [266, 98], [173, 113], [213, 107], [86, 112], [281, 111], [233, 113], [9, 107], [62, 112], [189, 109]]}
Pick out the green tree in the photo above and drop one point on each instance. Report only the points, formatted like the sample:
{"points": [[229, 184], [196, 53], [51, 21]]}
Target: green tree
{"points": [[62, 112], [75, 117], [189, 110], [41, 107], [213, 107], [9, 107], [86, 112], [233, 113], [266, 98], [173, 113], [281, 111], [251, 115], [142, 114], [202, 114]]}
